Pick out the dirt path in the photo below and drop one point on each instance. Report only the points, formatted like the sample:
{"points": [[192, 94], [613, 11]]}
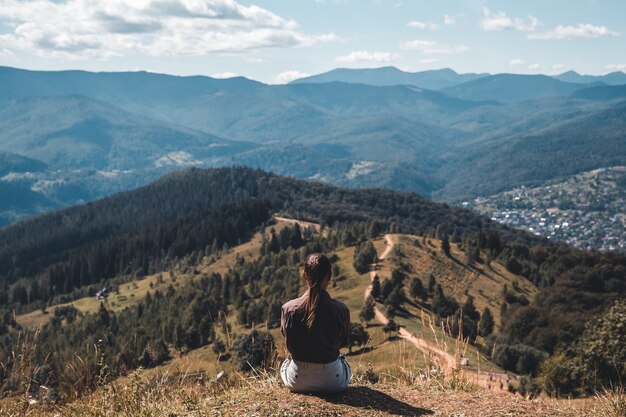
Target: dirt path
{"points": [[377, 313], [444, 360], [441, 357], [301, 223]]}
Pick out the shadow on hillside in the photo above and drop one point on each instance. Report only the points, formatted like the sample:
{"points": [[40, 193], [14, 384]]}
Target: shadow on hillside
{"points": [[461, 264], [371, 399]]}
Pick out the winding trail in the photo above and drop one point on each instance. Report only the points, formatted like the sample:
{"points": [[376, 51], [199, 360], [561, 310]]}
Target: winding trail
{"points": [[439, 356], [444, 360]]}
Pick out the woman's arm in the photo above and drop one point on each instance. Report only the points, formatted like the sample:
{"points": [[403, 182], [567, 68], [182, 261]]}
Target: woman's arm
{"points": [[345, 328]]}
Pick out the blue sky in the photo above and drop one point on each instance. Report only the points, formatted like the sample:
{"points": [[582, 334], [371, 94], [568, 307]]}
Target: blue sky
{"points": [[275, 41]]}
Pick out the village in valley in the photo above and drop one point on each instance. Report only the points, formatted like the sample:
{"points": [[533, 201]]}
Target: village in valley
{"points": [[586, 210]]}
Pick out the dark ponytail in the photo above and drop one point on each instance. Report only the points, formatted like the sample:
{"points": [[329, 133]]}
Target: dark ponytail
{"points": [[316, 269]]}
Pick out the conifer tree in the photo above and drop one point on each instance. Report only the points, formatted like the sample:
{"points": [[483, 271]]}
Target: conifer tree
{"points": [[358, 336], [367, 312], [445, 245], [431, 284], [486, 323], [161, 352], [397, 278], [254, 349], [469, 310], [103, 315], [416, 290], [274, 245], [386, 289], [376, 287], [391, 327], [364, 255]]}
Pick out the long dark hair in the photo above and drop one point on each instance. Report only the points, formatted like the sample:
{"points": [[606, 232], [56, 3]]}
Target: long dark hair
{"points": [[316, 269]]}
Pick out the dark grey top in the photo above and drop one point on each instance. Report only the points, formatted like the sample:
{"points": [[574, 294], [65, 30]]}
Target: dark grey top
{"points": [[329, 332]]}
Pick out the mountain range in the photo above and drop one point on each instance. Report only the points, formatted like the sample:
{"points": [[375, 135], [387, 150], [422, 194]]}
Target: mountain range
{"points": [[437, 79], [72, 136]]}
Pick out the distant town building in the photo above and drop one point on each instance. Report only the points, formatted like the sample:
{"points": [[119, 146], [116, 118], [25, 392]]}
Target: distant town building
{"points": [[103, 294], [586, 210]]}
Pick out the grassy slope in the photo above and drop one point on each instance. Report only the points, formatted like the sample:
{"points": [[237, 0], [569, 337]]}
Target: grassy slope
{"points": [[263, 396], [484, 283]]}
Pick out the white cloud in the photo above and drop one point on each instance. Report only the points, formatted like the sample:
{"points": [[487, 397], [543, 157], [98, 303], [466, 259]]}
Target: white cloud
{"points": [[427, 60], [224, 75], [83, 29], [500, 21], [325, 37], [366, 56], [516, 62], [557, 67], [582, 30], [288, 76], [435, 48], [449, 20], [616, 67], [534, 66], [6, 53], [416, 24]]}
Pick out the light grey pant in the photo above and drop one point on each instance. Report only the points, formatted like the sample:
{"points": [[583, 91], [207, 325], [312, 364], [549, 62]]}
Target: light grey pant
{"points": [[301, 376]]}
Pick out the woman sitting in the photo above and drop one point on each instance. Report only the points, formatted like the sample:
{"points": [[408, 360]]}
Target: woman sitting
{"points": [[315, 326]]}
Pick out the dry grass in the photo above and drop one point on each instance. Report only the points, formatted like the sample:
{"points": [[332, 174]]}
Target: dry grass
{"points": [[263, 395], [484, 283], [609, 403]]}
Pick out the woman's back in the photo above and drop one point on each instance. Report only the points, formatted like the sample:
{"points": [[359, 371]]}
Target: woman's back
{"points": [[315, 326], [329, 333]]}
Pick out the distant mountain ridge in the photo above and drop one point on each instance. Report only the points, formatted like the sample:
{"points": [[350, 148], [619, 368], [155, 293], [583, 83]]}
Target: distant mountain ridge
{"points": [[101, 133], [10, 162], [439, 79], [613, 78], [84, 132], [509, 88], [386, 76]]}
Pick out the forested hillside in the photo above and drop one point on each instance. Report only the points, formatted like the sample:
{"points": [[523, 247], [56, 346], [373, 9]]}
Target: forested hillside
{"points": [[583, 142], [193, 217], [137, 232]]}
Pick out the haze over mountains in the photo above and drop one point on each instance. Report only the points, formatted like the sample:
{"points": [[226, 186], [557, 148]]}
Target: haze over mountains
{"points": [[73, 136]]}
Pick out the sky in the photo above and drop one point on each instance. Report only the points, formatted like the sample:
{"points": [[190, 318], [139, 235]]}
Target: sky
{"points": [[276, 41]]}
